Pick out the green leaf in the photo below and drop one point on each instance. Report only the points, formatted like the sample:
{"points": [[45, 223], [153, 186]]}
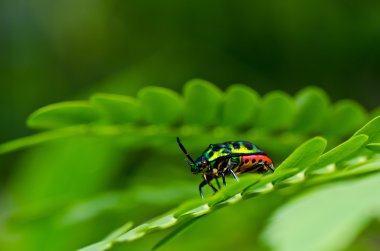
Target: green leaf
{"points": [[339, 153], [134, 233], [160, 105], [277, 110], [118, 109], [355, 170], [346, 117], [311, 111], [374, 147], [328, 219], [109, 240], [265, 184], [163, 221], [40, 138], [99, 246], [366, 167], [175, 233], [63, 114], [372, 128], [232, 192], [203, 102], [304, 155], [192, 207], [240, 106]]}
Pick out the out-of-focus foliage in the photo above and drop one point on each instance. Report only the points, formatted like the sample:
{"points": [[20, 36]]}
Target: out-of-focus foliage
{"points": [[114, 159]]}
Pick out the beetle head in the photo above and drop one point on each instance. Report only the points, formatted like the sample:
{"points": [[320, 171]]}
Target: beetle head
{"points": [[201, 164], [195, 166]]}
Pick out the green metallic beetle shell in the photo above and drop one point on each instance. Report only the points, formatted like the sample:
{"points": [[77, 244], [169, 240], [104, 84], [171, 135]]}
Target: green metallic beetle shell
{"points": [[215, 151]]}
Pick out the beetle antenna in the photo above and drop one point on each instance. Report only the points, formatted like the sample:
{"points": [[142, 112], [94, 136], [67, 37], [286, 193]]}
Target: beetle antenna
{"points": [[184, 151]]}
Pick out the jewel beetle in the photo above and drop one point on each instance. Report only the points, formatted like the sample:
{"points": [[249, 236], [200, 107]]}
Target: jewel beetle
{"points": [[232, 157]]}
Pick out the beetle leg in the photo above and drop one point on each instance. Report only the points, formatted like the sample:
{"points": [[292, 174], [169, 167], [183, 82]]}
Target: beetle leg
{"points": [[212, 186], [229, 167], [223, 178], [217, 181], [203, 183], [265, 164], [216, 175], [234, 174], [260, 166], [270, 167]]}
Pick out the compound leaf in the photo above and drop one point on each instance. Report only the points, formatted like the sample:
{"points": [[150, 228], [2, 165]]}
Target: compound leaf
{"points": [[202, 102], [312, 106], [40, 138], [372, 128], [175, 233], [276, 112], [345, 118], [117, 109], [63, 114], [339, 153], [240, 106], [374, 147], [304, 155], [109, 240], [160, 105]]}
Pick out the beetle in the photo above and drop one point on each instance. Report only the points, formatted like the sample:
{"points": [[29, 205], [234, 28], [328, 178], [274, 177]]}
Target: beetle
{"points": [[232, 157]]}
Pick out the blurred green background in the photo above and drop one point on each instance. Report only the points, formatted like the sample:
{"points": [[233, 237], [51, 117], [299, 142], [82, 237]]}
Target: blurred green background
{"points": [[54, 51], [59, 50]]}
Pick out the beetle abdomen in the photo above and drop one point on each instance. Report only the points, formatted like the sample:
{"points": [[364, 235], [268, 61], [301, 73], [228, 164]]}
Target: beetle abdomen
{"points": [[254, 163]]}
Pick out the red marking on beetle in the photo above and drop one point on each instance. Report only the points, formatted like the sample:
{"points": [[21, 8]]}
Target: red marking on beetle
{"points": [[246, 166]]}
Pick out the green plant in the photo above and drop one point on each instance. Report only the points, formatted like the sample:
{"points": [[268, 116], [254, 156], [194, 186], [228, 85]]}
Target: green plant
{"points": [[87, 142]]}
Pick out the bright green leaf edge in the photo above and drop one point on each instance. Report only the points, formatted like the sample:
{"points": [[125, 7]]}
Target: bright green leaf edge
{"points": [[374, 147], [108, 242], [304, 155], [338, 153], [41, 138], [50, 116]]}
